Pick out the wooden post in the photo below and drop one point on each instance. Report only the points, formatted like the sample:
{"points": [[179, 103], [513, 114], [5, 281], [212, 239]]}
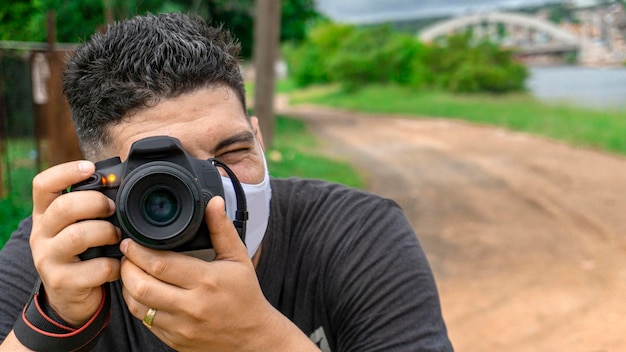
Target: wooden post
{"points": [[109, 17], [266, 40], [56, 138]]}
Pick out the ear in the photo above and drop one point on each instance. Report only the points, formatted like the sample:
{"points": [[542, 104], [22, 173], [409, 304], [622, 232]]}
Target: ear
{"points": [[254, 121]]}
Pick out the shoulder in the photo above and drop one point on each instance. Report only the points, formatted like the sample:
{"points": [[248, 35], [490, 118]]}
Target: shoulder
{"points": [[311, 194], [316, 214]]}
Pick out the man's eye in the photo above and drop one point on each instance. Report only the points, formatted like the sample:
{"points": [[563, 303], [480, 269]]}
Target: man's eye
{"points": [[232, 153]]}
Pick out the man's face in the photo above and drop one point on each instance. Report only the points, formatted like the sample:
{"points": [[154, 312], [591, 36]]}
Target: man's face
{"points": [[210, 123]]}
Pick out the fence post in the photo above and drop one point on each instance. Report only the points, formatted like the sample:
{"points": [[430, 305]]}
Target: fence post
{"points": [[56, 138], [266, 40]]}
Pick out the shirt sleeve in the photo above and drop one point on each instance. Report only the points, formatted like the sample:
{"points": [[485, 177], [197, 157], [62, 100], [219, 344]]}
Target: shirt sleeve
{"points": [[17, 276], [387, 299]]}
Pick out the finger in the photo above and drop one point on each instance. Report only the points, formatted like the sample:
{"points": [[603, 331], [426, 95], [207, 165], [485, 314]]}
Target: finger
{"points": [[78, 237], [224, 237], [48, 184], [142, 289], [165, 266], [161, 318], [85, 275], [73, 207]]}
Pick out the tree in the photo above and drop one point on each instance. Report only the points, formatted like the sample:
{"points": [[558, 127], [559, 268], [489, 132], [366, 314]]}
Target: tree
{"points": [[77, 20]]}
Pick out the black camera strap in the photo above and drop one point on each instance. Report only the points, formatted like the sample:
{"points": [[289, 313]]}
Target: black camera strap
{"points": [[241, 214], [40, 329]]}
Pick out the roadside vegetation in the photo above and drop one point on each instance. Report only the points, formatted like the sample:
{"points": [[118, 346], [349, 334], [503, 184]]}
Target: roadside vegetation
{"points": [[376, 69], [296, 152], [600, 129], [355, 56]]}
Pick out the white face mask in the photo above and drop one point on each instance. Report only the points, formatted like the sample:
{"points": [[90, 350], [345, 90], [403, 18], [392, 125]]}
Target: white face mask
{"points": [[258, 199]]}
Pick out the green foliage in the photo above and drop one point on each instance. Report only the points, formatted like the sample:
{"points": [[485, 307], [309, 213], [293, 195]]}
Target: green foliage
{"points": [[296, 152], [12, 211], [309, 62], [305, 64], [77, 20], [355, 56], [460, 66], [392, 54], [585, 127], [18, 170]]}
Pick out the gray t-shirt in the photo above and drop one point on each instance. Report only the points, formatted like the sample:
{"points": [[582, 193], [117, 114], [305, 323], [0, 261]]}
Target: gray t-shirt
{"points": [[344, 265]]}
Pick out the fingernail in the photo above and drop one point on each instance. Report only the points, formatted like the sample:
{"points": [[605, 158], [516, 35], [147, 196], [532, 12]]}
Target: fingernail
{"points": [[84, 167], [124, 246]]}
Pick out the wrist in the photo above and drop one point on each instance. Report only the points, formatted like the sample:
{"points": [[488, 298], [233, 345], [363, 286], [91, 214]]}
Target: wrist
{"points": [[283, 335], [72, 314], [40, 328]]}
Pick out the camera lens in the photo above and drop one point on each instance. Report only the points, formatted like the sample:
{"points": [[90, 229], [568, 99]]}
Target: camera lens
{"points": [[161, 206]]}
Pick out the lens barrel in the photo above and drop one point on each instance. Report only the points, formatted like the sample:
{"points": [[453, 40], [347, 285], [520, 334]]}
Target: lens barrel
{"points": [[160, 205]]}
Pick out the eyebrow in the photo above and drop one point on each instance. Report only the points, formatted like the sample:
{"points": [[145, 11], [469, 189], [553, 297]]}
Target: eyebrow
{"points": [[243, 137]]}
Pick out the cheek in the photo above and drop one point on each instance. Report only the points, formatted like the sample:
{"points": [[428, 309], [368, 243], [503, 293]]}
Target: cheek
{"points": [[249, 171]]}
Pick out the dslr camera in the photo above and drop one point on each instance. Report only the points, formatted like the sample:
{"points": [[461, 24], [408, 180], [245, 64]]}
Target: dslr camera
{"points": [[160, 193]]}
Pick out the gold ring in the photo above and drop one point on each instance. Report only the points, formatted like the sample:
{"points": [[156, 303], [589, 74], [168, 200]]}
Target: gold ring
{"points": [[149, 318]]}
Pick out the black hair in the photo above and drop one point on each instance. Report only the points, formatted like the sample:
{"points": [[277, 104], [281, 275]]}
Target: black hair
{"points": [[140, 61]]}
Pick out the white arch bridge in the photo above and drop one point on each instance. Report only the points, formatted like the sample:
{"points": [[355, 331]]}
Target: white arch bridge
{"points": [[527, 35]]}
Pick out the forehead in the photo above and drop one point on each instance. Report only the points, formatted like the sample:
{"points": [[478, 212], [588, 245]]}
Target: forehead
{"points": [[200, 120]]}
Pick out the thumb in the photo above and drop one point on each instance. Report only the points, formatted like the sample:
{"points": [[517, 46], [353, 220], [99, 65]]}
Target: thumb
{"points": [[224, 236]]}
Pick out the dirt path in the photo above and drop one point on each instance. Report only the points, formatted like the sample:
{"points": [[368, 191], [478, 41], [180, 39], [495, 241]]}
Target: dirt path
{"points": [[526, 236]]}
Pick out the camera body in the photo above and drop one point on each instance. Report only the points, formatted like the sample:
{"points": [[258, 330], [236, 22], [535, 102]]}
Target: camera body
{"points": [[160, 193]]}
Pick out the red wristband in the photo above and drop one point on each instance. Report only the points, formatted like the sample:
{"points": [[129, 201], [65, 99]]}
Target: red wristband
{"points": [[39, 331]]}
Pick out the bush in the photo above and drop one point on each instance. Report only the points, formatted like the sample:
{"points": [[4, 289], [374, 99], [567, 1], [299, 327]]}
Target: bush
{"points": [[354, 57], [458, 65], [308, 63], [378, 55]]}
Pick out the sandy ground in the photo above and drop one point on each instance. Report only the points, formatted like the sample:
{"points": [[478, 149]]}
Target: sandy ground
{"points": [[526, 236]]}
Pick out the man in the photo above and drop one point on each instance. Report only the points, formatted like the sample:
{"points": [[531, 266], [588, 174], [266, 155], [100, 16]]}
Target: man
{"points": [[330, 268]]}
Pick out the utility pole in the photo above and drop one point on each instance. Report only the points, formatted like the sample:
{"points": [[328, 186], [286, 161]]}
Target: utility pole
{"points": [[266, 40]]}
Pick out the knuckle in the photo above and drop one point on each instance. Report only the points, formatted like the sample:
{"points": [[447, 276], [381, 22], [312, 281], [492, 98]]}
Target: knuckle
{"points": [[109, 268], [60, 206], [210, 282], [74, 235], [186, 333], [134, 308], [38, 182], [140, 290], [158, 266], [54, 283]]}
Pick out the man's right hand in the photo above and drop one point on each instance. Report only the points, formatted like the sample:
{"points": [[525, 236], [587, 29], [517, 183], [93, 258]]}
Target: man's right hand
{"points": [[64, 226]]}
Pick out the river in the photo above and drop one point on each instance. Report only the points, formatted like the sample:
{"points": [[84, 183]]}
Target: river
{"points": [[598, 88]]}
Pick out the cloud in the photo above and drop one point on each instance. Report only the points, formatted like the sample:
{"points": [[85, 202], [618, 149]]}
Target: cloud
{"points": [[360, 11]]}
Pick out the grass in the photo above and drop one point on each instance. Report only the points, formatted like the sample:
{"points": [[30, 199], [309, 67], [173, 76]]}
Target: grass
{"points": [[296, 153], [583, 127], [18, 169]]}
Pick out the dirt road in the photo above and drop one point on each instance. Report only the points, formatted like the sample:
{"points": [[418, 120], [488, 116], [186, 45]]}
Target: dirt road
{"points": [[526, 236]]}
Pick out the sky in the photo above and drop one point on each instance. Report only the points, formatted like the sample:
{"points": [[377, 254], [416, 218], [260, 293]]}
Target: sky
{"points": [[364, 11]]}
